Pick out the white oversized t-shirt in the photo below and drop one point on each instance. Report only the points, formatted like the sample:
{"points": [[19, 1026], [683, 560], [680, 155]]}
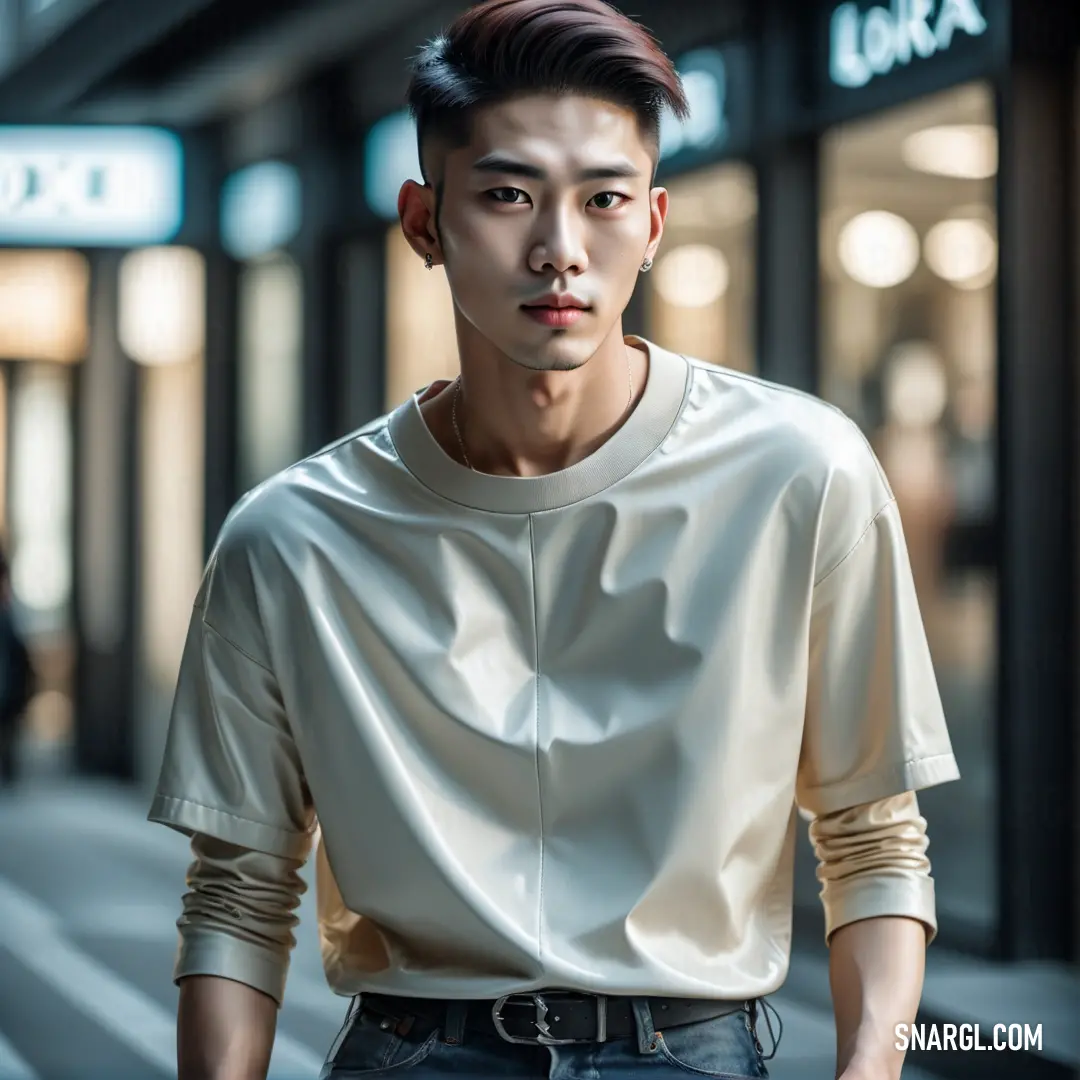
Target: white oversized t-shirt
{"points": [[553, 731]]}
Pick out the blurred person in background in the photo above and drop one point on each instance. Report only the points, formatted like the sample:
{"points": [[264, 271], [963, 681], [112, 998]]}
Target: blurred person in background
{"points": [[551, 654], [16, 679]]}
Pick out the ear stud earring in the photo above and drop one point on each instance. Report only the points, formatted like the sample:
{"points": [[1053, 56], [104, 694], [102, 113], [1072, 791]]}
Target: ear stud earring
{"points": [[646, 266], [427, 261]]}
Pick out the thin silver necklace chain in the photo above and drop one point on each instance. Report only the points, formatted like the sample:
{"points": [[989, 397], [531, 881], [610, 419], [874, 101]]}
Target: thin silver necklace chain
{"points": [[457, 394]]}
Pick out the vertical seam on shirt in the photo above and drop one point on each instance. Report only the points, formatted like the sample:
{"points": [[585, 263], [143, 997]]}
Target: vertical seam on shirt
{"points": [[539, 790]]}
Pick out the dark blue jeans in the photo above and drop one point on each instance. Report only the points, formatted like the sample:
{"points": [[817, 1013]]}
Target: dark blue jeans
{"points": [[367, 1046]]}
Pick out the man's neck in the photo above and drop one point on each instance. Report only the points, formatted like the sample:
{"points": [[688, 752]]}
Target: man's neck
{"points": [[516, 422]]}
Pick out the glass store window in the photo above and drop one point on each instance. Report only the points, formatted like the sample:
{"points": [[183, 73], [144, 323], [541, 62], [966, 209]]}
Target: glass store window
{"points": [[40, 535], [261, 212], [909, 261], [43, 339], [700, 294], [270, 361], [418, 350], [162, 328]]}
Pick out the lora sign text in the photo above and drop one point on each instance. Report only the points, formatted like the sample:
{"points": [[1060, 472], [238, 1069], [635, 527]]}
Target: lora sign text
{"points": [[866, 44]]}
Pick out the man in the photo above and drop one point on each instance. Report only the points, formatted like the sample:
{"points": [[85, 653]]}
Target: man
{"points": [[555, 652]]}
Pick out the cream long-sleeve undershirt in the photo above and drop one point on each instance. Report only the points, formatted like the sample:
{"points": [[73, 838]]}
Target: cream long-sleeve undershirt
{"points": [[239, 915]]}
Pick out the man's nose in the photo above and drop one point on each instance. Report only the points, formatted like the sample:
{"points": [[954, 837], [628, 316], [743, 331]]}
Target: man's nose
{"points": [[560, 243]]}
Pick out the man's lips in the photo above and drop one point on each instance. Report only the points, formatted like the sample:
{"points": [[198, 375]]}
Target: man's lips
{"points": [[555, 307], [558, 301], [554, 316]]}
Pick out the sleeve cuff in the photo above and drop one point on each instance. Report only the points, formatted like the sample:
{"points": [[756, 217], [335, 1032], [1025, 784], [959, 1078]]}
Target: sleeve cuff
{"points": [[214, 952], [909, 776], [189, 817], [869, 897]]}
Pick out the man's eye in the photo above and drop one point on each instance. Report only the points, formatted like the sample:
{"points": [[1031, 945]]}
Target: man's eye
{"points": [[610, 195], [497, 194]]}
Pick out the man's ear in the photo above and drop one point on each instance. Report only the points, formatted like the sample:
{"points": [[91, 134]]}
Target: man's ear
{"points": [[416, 210], [658, 211]]}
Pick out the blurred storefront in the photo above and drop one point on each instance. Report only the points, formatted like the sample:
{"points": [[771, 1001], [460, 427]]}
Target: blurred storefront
{"points": [[261, 208], [876, 203], [942, 328], [43, 339], [75, 319]]}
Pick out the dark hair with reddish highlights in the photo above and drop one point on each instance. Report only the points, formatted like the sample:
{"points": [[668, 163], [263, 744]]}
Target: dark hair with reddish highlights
{"points": [[501, 49]]}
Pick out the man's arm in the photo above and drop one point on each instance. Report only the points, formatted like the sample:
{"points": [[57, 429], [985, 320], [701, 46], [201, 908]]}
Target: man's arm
{"points": [[878, 897], [225, 1030], [235, 943], [233, 781], [874, 734], [876, 970]]}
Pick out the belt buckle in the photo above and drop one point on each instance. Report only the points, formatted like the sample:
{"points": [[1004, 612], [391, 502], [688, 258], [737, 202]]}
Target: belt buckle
{"points": [[544, 1036]]}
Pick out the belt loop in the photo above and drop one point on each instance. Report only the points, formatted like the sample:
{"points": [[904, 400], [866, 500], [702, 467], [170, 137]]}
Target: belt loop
{"points": [[643, 1022], [456, 1012]]}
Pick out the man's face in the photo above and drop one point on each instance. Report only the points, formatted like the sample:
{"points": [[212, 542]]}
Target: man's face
{"points": [[550, 196]]}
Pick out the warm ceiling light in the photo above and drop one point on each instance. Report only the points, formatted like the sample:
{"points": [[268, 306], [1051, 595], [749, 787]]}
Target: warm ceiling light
{"points": [[879, 249], [693, 276], [727, 201], [43, 297], [162, 305], [964, 151], [962, 251]]}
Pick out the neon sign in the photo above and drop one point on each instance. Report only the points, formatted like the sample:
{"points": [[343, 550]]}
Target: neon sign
{"points": [[261, 208], [865, 45], [704, 77], [91, 186]]}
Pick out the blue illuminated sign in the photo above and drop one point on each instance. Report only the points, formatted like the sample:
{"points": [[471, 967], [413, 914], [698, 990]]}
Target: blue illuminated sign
{"points": [[260, 209], [90, 186], [704, 76], [863, 45], [390, 158]]}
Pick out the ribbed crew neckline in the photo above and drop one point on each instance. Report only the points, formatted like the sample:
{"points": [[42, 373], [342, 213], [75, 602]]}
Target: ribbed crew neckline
{"points": [[641, 434]]}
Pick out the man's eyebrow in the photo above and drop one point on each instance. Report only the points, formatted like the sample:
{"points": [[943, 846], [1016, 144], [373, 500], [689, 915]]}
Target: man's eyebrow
{"points": [[499, 163]]}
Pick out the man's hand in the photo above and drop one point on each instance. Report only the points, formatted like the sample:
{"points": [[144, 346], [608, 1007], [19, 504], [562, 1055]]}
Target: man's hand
{"points": [[876, 969]]}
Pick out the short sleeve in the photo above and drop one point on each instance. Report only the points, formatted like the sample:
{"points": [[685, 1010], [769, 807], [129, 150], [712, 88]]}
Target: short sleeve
{"points": [[231, 769], [874, 724]]}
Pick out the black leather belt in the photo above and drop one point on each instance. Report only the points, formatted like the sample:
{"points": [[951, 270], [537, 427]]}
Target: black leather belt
{"points": [[552, 1017]]}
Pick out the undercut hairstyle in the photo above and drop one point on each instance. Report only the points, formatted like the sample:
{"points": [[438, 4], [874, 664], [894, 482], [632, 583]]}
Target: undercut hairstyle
{"points": [[503, 49]]}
